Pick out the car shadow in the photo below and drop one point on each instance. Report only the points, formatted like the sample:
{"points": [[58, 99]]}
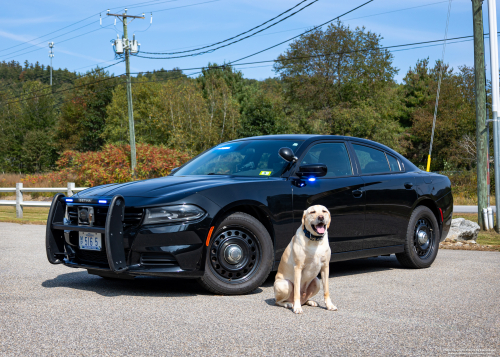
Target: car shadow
{"points": [[178, 287], [353, 267], [140, 286]]}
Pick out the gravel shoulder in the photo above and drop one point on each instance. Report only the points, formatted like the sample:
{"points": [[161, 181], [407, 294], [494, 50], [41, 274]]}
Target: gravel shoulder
{"points": [[384, 309]]}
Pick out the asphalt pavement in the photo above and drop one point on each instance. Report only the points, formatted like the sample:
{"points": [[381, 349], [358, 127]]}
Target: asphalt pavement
{"points": [[383, 310]]}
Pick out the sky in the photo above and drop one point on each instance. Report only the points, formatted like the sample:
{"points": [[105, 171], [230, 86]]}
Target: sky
{"points": [[183, 24]]}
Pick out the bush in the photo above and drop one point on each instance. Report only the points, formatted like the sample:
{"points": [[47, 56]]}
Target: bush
{"points": [[110, 165]]}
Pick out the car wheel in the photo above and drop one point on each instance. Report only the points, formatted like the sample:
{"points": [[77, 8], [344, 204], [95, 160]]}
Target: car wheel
{"points": [[239, 257], [422, 240]]}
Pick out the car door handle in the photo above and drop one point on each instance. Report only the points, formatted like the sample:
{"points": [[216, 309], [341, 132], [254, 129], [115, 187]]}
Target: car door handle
{"points": [[408, 185], [357, 193]]}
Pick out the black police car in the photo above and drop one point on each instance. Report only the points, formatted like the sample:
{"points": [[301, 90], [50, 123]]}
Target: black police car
{"points": [[226, 216]]}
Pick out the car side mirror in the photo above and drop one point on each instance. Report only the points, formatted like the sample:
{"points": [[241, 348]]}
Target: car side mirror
{"points": [[287, 154], [173, 170], [312, 170]]}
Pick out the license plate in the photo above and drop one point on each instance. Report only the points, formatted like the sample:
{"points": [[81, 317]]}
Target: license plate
{"points": [[90, 241]]}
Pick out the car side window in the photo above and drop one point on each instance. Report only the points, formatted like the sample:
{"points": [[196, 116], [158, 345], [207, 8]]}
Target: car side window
{"points": [[372, 161], [393, 163], [333, 155]]}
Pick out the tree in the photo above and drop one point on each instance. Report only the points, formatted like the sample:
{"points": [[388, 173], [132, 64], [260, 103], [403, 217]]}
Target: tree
{"points": [[83, 114], [27, 125], [455, 116], [343, 83]]}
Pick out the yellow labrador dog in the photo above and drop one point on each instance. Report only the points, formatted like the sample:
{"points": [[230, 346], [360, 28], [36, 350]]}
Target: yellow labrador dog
{"points": [[307, 254]]}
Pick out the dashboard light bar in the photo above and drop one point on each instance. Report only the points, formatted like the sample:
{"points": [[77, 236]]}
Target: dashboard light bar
{"points": [[311, 179], [103, 201], [69, 200]]}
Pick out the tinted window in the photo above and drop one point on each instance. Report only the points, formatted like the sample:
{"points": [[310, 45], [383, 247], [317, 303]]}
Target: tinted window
{"points": [[333, 155], [242, 158], [393, 163], [372, 161]]}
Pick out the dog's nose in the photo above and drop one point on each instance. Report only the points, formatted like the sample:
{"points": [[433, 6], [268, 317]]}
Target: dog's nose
{"points": [[321, 218]]}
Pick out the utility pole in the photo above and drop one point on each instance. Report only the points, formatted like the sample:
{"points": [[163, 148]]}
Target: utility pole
{"points": [[51, 55], [492, 19], [480, 89], [127, 49]]}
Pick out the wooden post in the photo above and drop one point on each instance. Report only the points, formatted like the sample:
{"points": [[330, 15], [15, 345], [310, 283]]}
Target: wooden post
{"points": [[19, 200], [71, 187], [480, 90]]}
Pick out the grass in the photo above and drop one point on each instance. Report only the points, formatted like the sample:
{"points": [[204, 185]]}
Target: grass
{"points": [[31, 215], [484, 237]]}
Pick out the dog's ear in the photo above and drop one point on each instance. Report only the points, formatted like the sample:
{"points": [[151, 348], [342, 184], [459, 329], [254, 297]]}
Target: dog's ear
{"points": [[304, 218], [329, 219]]}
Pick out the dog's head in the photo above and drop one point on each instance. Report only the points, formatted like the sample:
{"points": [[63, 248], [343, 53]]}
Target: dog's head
{"points": [[316, 220]]}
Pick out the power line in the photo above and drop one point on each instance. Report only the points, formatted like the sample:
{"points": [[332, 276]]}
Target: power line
{"points": [[77, 22], [231, 38], [58, 91], [231, 43], [314, 28], [230, 64], [180, 7], [301, 28], [68, 39]]}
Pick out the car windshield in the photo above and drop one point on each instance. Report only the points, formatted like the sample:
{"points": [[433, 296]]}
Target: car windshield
{"points": [[242, 158]]}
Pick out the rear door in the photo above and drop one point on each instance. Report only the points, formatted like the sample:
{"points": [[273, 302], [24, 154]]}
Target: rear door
{"points": [[390, 195], [340, 191]]}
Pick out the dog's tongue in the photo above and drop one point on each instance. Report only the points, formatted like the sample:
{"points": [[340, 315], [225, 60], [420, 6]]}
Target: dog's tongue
{"points": [[320, 229]]}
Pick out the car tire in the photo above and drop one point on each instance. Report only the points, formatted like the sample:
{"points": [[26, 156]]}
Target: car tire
{"points": [[422, 240], [239, 257]]}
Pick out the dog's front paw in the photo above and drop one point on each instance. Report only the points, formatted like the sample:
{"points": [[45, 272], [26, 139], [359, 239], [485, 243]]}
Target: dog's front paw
{"points": [[297, 309], [330, 306]]}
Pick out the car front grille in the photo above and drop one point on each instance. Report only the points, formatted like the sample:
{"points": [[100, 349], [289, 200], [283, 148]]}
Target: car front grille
{"points": [[133, 216], [158, 259], [90, 256]]}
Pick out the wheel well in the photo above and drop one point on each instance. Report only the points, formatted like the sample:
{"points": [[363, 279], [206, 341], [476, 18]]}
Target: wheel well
{"points": [[255, 212], [432, 206]]}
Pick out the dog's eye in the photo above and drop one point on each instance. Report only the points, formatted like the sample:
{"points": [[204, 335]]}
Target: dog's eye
{"points": [[324, 211], [312, 212]]}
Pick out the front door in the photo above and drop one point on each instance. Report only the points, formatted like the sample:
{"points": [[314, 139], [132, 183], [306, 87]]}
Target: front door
{"points": [[390, 196], [339, 191]]}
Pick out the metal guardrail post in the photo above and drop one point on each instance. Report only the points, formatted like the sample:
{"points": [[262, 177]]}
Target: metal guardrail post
{"points": [[71, 187], [19, 200]]}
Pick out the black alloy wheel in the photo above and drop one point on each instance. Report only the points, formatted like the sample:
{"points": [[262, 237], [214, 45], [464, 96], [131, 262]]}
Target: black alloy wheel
{"points": [[239, 256], [422, 240]]}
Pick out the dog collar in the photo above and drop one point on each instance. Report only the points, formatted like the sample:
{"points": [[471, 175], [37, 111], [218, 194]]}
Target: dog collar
{"points": [[312, 236]]}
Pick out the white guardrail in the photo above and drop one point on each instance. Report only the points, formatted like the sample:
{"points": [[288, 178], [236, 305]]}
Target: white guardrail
{"points": [[20, 203]]}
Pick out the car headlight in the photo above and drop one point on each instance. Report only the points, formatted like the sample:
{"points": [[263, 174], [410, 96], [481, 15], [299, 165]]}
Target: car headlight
{"points": [[172, 214]]}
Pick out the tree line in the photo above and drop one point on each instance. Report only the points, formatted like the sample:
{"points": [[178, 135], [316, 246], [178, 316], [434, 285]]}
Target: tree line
{"points": [[332, 81]]}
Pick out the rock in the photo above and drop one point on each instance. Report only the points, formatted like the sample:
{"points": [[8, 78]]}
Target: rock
{"points": [[459, 244], [471, 241], [455, 223], [463, 230]]}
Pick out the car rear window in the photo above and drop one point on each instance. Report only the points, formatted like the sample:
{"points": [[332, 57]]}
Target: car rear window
{"points": [[372, 161]]}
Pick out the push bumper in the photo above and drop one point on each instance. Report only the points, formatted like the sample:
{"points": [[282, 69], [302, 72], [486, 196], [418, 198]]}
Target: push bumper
{"points": [[139, 259]]}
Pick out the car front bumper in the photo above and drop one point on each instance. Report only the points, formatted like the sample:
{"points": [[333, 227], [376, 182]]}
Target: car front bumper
{"points": [[175, 250]]}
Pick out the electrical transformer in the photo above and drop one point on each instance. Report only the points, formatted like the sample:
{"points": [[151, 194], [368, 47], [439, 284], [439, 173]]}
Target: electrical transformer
{"points": [[118, 45]]}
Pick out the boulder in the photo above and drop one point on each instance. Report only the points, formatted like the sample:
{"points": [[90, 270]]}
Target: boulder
{"points": [[463, 230]]}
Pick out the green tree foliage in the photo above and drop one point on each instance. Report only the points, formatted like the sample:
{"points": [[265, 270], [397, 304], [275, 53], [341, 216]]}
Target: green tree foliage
{"points": [[172, 113], [27, 143], [83, 112], [455, 116], [343, 84]]}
